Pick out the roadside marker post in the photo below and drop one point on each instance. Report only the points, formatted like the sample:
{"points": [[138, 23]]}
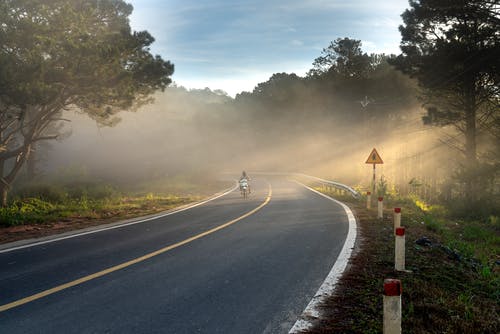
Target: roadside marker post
{"points": [[380, 213], [397, 218], [392, 306], [368, 200], [399, 249]]}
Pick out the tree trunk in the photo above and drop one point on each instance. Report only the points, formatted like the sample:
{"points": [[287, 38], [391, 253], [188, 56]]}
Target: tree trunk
{"points": [[3, 185], [7, 178], [4, 190], [470, 141], [31, 166]]}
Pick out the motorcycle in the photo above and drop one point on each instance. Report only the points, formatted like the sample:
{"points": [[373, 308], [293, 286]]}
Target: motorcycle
{"points": [[244, 190]]}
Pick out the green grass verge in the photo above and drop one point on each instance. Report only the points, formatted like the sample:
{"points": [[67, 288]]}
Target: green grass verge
{"points": [[454, 283], [47, 203], [35, 210]]}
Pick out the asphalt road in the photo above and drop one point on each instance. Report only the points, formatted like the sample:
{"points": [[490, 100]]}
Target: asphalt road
{"points": [[255, 275]]}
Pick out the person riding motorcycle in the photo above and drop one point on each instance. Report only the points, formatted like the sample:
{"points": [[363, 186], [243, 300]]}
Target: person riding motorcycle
{"points": [[244, 180]]}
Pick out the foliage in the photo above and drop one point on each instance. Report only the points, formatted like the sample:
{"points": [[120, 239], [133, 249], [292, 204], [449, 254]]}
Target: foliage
{"points": [[485, 178], [53, 201], [344, 58], [445, 290], [35, 210], [382, 187], [341, 77], [432, 224], [61, 55], [43, 191], [452, 48], [26, 210]]}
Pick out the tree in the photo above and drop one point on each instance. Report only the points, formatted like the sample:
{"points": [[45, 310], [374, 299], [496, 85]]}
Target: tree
{"points": [[343, 57], [68, 54], [452, 47]]}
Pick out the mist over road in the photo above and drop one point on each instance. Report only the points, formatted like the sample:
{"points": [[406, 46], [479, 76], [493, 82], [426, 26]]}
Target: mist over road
{"points": [[255, 275]]}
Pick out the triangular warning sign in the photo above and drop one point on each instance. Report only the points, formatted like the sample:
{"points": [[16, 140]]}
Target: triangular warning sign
{"points": [[374, 158]]}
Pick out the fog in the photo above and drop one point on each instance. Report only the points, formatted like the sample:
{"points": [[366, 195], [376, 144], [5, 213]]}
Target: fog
{"points": [[209, 133]]}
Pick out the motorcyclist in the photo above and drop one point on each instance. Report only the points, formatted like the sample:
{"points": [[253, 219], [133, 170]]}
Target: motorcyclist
{"points": [[244, 179]]}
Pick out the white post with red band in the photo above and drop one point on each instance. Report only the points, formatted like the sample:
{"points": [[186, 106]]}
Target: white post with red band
{"points": [[397, 218], [380, 214], [368, 200], [392, 306], [399, 252]]}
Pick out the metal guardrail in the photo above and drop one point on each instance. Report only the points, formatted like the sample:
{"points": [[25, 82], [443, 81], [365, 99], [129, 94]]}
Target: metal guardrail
{"points": [[338, 185]]}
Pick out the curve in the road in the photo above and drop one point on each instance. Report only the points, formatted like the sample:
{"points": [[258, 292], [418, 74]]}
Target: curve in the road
{"points": [[101, 273], [312, 310]]}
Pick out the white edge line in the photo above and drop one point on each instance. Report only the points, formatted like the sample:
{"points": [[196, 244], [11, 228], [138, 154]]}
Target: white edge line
{"points": [[168, 213], [328, 287]]}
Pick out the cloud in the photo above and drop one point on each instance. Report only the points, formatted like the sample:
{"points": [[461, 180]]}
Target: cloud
{"points": [[387, 48], [234, 80], [296, 42], [234, 45], [232, 86]]}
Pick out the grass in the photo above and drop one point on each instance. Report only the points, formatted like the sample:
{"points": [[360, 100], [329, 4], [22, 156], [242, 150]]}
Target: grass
{"points": [[454, 283], [36, 211], [85, 202]]}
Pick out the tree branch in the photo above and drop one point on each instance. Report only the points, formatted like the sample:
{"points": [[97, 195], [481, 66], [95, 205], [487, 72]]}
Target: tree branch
{"points": [[45, 138]]}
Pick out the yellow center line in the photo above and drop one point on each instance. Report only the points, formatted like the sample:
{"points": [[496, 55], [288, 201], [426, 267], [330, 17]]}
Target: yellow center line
{"points": [[131, 262]]}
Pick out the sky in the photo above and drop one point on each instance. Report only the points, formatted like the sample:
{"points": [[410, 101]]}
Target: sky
{"points": [[233, 45]]}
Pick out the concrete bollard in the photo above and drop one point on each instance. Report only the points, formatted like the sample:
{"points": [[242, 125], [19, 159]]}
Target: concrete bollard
{"points": [[368, 200], [397, 218], [392, 306], [380, 214], [399, 250]]}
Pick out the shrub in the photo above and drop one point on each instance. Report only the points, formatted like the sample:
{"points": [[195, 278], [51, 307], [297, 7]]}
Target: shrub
{"points": [[101, 191], [382, 187], [91, 191], [45, 192], [25, 211]]}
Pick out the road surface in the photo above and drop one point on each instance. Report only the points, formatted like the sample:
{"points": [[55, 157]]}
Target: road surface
{"points": [[228, 266]]}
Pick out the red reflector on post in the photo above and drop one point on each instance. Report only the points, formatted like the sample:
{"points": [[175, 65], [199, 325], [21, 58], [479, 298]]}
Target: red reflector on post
{"points": [[397, 210], [392, 287], [400, 231], [368, 193], [380, 199]]}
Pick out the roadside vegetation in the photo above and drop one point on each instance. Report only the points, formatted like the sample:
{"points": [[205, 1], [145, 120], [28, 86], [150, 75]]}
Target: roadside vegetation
{"points": [[53, 206], [453, 283]]}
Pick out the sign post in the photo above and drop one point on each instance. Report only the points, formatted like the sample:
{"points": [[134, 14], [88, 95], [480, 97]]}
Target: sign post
{"points": [[374, 159]]}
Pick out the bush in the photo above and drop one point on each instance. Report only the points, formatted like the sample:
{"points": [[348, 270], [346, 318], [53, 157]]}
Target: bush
{"points": [[102, 191], [45, 192], [477, 210], [382, 187], [95, 191], [25, 211]]}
